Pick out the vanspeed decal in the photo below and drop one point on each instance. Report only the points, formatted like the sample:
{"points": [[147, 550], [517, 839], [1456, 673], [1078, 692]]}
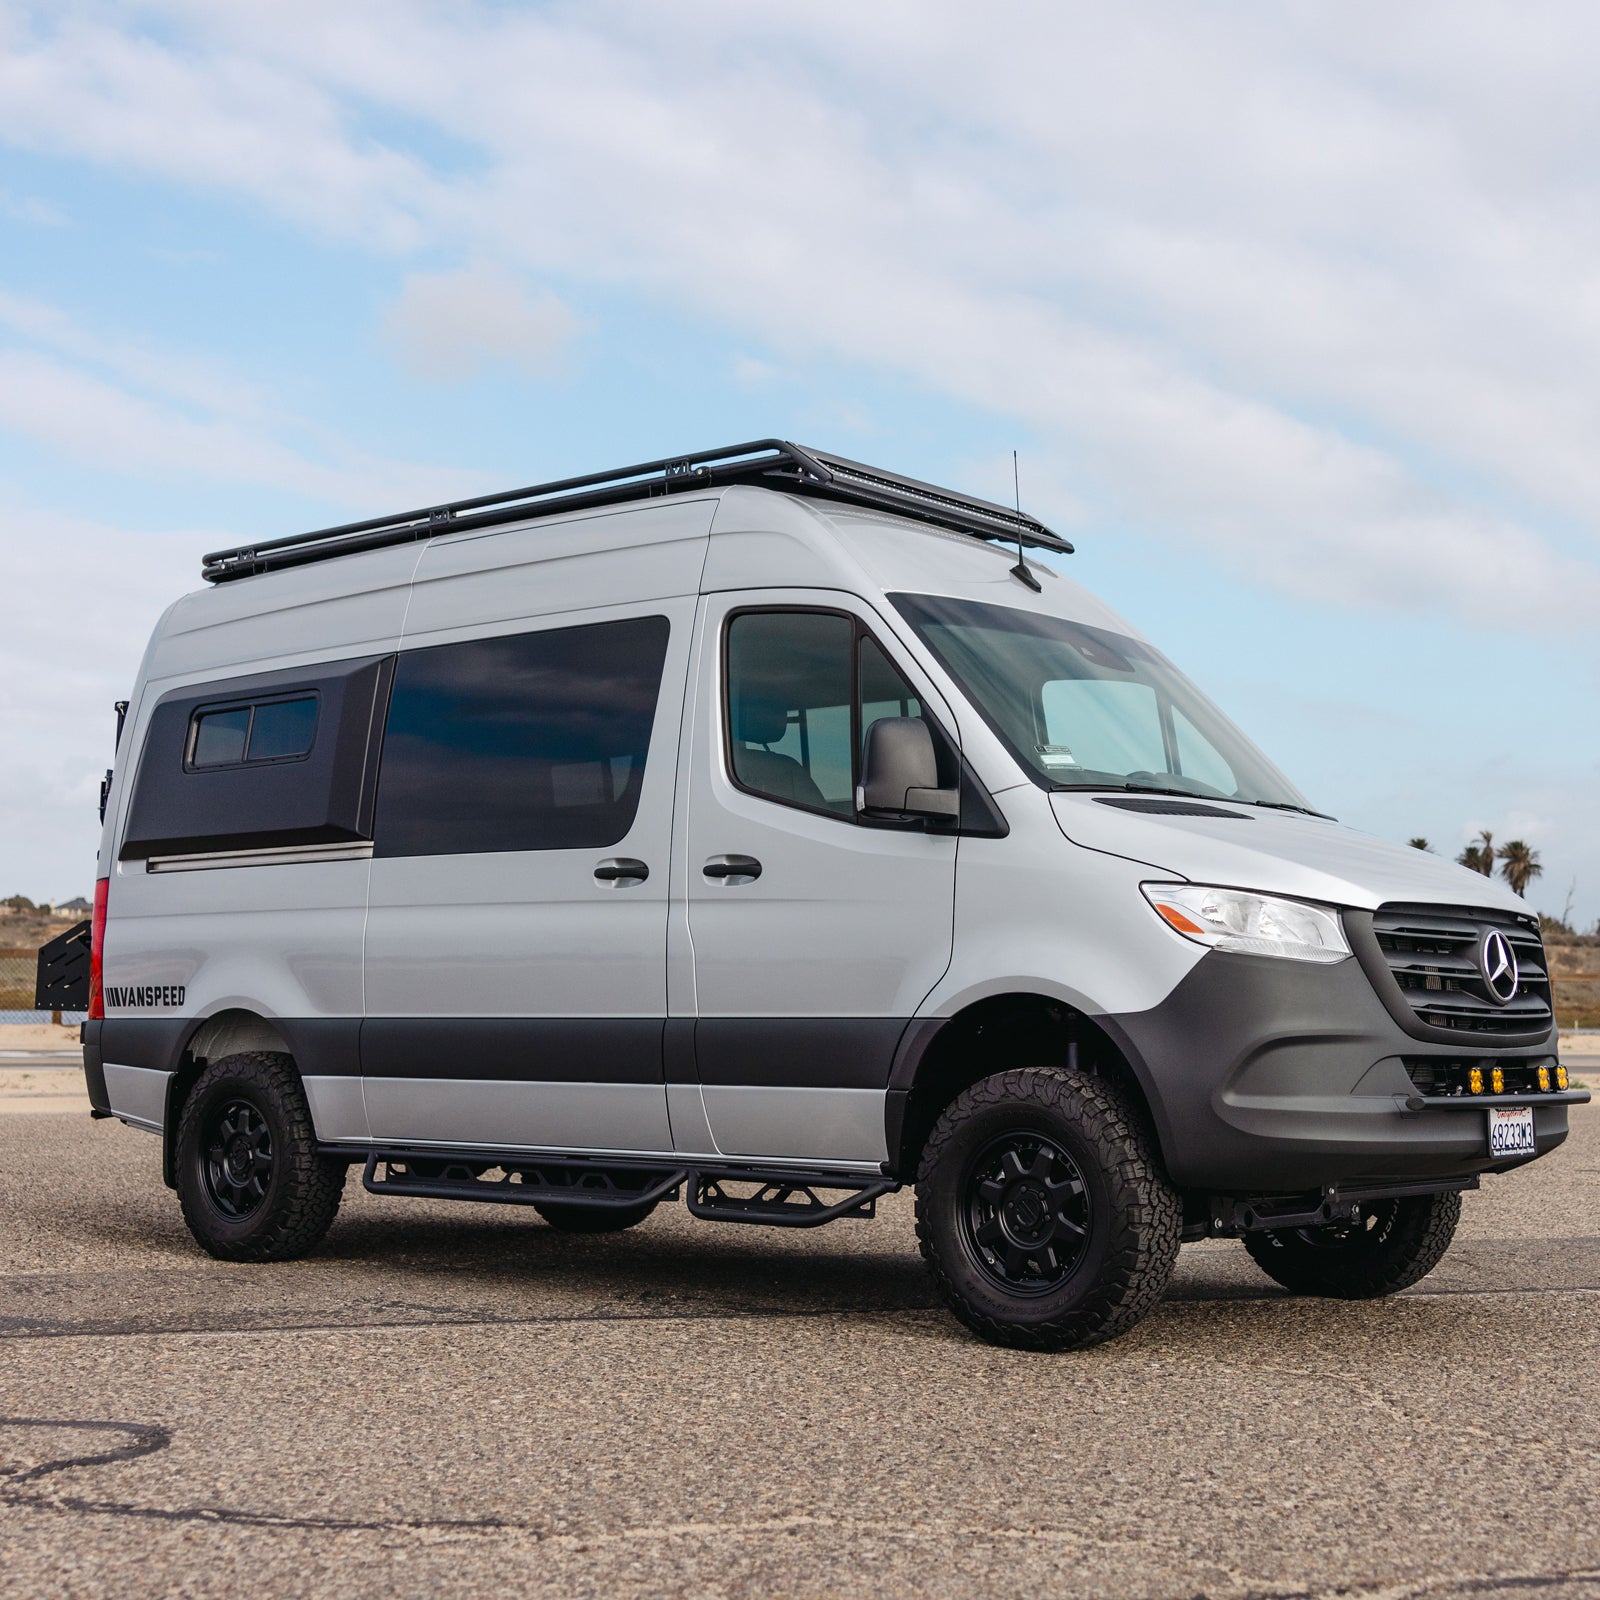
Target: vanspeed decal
{"points": [[146, 996]]}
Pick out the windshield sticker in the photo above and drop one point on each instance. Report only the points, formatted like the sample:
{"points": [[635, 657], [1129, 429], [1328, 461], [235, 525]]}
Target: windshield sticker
{"points": [[1056, 755]]}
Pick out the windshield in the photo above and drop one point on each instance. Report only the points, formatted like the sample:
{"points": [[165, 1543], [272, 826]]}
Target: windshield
{"points": [[1082, 708]]}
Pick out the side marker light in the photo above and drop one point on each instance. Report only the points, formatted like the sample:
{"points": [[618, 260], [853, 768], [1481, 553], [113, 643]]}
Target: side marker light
{"points": [[1182, 923]]}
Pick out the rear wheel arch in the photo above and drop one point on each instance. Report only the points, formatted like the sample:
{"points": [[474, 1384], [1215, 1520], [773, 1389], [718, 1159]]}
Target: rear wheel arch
{"points": [[227, 1033], [940, 1057]]}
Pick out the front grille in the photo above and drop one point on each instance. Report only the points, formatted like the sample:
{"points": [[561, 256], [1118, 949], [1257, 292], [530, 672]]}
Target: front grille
{"points": [[1435, 1076], [1432, 955]]}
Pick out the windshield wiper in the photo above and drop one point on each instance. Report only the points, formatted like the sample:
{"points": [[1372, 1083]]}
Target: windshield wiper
{"points": [[1287, 805], [1135, 788]]}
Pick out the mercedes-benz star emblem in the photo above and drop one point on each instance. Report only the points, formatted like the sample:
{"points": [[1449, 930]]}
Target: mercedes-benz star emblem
{"points": [[1498, 963]]}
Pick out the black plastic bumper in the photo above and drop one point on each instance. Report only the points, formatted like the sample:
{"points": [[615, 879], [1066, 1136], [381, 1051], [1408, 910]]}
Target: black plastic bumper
{"points": [[1266, 1075], [94, 1072]]}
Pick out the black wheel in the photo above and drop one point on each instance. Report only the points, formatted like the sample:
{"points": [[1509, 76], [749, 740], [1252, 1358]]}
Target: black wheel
{"points": [[250, 1181], [1043, 1212], [595, 1219], [1387, 1246]]}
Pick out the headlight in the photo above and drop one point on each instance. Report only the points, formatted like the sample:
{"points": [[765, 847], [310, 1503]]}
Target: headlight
{"points": [[1251, 924]]}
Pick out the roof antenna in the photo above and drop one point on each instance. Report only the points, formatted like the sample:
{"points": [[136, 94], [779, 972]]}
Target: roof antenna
{"points": [[1021, 570]]}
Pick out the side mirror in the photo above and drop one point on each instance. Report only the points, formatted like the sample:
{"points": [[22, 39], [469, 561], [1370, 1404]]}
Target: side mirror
{"points": [[900, 773]]}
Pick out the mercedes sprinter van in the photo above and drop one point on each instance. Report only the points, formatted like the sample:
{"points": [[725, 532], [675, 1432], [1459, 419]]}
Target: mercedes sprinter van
{"points": [[765, 830]]}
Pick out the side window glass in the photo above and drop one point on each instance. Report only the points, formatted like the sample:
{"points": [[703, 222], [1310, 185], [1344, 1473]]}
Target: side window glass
{"points": [[789, 707], [282, 728], [219, 737], [275, 730], [531, 741], [884, 693]]}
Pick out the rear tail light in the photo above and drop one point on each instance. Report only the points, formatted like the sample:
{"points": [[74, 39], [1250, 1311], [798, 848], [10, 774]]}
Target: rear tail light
{"points": [[97, 952]]}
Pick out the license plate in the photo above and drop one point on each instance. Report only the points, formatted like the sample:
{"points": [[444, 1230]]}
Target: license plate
{"points": [[1511, 1131]]}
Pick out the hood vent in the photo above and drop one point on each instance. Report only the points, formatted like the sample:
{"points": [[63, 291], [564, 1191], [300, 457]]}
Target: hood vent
{"points": [[1157, 807]]}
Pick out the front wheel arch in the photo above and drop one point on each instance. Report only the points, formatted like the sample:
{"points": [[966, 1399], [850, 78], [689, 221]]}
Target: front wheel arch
{"points": [[941, 1057]]}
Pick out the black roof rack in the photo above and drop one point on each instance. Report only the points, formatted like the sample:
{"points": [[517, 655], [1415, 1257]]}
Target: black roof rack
{"points": [[765, 463]]}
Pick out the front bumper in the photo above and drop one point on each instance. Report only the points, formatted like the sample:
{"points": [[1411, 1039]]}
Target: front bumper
{"points": [[1280, 1076]]}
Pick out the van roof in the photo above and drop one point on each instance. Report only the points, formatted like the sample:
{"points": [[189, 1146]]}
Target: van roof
{"points": [[762, 463]]}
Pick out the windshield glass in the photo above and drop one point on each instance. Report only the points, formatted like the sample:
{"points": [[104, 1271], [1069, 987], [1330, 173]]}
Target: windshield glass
{"points": [[1082, 708]]}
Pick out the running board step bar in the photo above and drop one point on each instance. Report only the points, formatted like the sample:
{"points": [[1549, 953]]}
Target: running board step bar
{"points": [[783, 1200], [781, 1197], [517, 1180]]}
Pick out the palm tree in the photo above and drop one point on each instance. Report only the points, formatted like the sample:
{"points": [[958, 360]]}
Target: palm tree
{"points": [[1519, 865], [1480, 856], [1419, 844]]}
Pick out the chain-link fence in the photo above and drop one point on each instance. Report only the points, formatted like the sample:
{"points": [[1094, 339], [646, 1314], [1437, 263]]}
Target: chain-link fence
{"points": [[18, 971]]}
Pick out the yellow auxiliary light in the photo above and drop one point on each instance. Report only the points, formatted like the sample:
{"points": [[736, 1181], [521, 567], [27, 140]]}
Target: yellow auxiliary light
{"points": [[1497, 1081], [1561, 1077], [1475, 1080], [1544, 1078]]}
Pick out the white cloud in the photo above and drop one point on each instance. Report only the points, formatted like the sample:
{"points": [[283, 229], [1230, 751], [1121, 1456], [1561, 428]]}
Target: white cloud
{"points": [[1290, 286], [1313, 291], [103, 425], [30, 209], [57, 726], [158, 413], [446, 326]]}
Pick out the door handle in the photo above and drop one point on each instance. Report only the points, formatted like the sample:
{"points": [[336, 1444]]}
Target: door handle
{"points": [[622, 871], [733, 869]]}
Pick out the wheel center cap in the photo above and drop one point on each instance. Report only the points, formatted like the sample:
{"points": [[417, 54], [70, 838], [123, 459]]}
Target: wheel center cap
{"points": [[1027, 1210], [239, 1161]]}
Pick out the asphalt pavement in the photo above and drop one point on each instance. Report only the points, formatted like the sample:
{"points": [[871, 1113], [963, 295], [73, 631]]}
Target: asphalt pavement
{"points": [[458, 1400]]}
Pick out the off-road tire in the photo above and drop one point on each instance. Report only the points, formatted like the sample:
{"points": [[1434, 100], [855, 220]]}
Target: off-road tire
{"points": [[1133, 1216], [595, 1219], [300, 1190], [1392, 1245]]}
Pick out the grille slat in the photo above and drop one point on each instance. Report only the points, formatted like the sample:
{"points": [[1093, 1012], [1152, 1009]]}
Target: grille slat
{"points": [[1432, 957]]}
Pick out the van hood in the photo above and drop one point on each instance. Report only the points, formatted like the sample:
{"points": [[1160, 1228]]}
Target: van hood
{"points": [[1276, 852]]}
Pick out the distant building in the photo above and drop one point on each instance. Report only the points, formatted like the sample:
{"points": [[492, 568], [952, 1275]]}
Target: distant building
{"points": [[77, 906]]}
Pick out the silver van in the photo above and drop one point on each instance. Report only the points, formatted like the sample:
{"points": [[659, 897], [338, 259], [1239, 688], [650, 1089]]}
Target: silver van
{"points": [[766, 830]]}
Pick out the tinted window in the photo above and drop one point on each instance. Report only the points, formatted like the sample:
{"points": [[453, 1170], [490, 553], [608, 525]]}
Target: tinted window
{"points": [[789, 707], [219, 737], [534, 741], [798, 682], [274, 730], [884, 693], [282, 728]]}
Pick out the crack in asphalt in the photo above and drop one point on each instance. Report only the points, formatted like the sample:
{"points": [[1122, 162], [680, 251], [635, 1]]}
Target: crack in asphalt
{"points": [[23, 1329], [147, 1439], [10, 1331]]}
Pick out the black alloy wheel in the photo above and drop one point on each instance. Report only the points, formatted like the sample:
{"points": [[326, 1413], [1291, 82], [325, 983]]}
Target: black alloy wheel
{"points": [[251, 1180], [1043, 1211], [238, 1162], [1027, 1213]]}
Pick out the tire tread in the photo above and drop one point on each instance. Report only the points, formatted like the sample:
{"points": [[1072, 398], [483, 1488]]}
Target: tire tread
{"points": [[1147, 1212], [309, 1187]]}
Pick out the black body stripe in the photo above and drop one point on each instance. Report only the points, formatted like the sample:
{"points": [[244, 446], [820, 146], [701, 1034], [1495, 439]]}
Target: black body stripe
{"points": [[798, 1052], [767, 1052]]}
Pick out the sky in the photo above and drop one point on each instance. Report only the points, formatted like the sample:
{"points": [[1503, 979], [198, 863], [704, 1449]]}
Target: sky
{"points": [[1291, 312]]}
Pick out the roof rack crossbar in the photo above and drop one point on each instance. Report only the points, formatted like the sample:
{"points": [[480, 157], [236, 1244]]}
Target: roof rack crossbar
{"points": [[770, 463]]}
